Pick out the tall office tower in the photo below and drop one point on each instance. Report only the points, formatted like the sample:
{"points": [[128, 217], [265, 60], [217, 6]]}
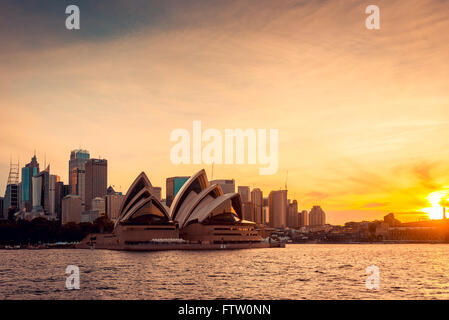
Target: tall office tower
{"points": [[293, 216], [71, 209], [277, 203], [247, 206], [244, 193], [41, 192], [227, 185], [96, 180], [61, 191], [257, 200], [266, 211], [28, 172], [53, 193], [11, 200], [317, 217], [157, 192], [77, 172], [303, 218], [172, 187]]}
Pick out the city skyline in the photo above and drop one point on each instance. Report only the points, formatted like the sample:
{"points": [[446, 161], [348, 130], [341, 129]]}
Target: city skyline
{"points": [[361, 115]]}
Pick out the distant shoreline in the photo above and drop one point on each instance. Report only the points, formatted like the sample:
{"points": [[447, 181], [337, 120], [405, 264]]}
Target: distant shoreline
{"points": [[73, 246]]}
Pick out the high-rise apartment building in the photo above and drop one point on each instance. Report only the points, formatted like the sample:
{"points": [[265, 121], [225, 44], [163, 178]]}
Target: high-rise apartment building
{"points": [[317, 217], [96, 180], [277, 203]]}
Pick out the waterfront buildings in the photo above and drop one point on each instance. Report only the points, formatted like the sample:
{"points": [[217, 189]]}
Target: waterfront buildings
{"points": [[72, 209], [96, 180], [277, 203], [28, 172], [172, 187], [77, 172], [317, 217]]}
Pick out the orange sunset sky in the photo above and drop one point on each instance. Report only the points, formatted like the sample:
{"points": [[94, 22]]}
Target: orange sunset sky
{"points": [[362, 114]]}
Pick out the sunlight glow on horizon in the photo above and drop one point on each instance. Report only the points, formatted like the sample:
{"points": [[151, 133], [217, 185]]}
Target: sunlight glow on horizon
{"points": [[434, 198]]}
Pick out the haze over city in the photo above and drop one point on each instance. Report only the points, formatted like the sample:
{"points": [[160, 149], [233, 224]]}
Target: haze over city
{"points": [[362, 116]]}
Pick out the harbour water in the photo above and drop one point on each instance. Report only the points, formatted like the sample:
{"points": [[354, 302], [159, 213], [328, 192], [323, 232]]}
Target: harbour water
{"points": [[299, 271]]}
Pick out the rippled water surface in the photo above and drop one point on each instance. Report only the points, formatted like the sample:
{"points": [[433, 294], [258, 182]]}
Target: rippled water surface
{"points": [[321, 271]]}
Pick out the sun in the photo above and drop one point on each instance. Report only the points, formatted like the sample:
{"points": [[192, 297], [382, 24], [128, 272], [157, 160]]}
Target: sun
{"points": [[435, 198]]}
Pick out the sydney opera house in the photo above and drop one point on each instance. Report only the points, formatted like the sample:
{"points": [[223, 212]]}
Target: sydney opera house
{"points": [[201, 216]]}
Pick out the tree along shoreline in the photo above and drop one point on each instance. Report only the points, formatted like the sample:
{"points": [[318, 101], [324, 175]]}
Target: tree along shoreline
{"points": [[42, 231]]}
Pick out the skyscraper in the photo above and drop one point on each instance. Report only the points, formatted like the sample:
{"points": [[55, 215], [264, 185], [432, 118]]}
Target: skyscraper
{"points": [[28, 172], [277, 202], [293, 216], [96, 180], [172, 187], [317, 217], [77, 172], [41, 192], [257, 200], [52, 189], [11, 201]]}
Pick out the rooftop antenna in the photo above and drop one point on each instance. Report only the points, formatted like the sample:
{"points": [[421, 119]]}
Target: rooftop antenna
{"points": [[286, 179], [212, 175]]}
